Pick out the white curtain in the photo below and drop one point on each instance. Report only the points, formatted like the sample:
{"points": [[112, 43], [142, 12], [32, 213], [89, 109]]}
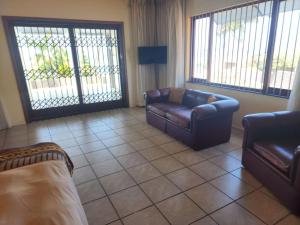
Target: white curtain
{"points": [[143, 27], [170, 32], [3, 123], [157, 23], [294, 101]]}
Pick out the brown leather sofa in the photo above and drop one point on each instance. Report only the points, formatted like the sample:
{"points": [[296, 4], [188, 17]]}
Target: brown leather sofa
{"points": [[271, 152], [197, 118]]}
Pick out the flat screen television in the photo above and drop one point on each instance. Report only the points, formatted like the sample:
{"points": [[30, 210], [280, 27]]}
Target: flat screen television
{"points": [[152, 55]]}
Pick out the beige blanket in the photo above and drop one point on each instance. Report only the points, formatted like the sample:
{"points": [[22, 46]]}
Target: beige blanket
{"points": [[40, 194]]}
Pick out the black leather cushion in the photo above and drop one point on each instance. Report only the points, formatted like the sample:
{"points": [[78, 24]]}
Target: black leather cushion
{"points": [[191, 99], [164, 94], [162, 108], [280, 152], [181, 117]]}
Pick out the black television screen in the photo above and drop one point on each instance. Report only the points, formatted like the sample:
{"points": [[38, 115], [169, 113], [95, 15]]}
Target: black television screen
{"points": [[153, 55]]}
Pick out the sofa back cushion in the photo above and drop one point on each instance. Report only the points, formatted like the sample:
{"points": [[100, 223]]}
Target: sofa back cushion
{"points": [[212, 99], [176, 95], [194, 98], [164, 94]]}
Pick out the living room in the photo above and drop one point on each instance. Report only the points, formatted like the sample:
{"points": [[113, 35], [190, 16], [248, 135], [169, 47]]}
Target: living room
{"points": [[163, 112]]}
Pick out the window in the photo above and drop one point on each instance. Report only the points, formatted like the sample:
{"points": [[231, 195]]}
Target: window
{"points": [[250, 47], [66, 67]]}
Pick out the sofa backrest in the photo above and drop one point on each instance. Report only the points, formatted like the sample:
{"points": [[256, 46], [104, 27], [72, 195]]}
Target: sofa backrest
{"points": [[189, 97], [194, 98]]}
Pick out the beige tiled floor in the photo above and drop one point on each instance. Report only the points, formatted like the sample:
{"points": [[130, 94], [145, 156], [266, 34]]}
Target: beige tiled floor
{"points": [[130, 173]]}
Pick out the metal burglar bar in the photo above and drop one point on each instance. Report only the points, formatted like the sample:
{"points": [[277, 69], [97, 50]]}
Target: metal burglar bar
{"points": [[242, 55], [98, 64], [48, 68], [285, 56], [67, 67]]}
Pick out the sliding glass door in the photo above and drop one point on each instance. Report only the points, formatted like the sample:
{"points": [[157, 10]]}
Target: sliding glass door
{"points": [[47, 66], [67, 67], [98, 61]]}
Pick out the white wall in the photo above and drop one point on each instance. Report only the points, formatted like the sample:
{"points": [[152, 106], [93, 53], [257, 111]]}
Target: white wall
{"points": [[101, 10], [249, 102], [198, 7]]}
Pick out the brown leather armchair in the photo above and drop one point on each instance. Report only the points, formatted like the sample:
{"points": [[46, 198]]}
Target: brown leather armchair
{"points": [[271, 152]]}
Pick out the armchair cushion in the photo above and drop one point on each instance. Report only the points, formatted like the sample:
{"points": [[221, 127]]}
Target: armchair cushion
{"points": [[181, 117], [162, 108], [280, 153]]}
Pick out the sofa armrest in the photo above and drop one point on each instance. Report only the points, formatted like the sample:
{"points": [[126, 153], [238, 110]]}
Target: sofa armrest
{"points": [[152, 96], [158, 95], [222, 106], [227, 106], [204, 111]]}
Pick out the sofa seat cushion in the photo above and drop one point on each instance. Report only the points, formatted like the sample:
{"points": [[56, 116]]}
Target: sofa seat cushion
{"points": [[181, 117], [279, 153], [162, 108]]}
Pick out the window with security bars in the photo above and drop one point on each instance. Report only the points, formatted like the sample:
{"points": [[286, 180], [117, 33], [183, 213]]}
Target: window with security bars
{"points": [[251, 47], [65, 66]]}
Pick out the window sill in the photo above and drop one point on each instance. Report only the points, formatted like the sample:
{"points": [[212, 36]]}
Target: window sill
{"points": [[271, 91]]}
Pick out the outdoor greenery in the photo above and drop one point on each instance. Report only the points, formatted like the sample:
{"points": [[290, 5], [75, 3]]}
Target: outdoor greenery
{"points": [[52, 60], [280, 62], [232, 26]]}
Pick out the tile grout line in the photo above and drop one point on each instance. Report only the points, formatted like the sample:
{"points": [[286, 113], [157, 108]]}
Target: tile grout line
{"points": [[121, 218], [106, 195], [102, 187], [183, 192], [148, 161], [162, 175]]}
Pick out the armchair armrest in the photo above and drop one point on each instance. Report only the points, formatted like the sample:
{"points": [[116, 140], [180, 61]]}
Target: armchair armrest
{"points": [[270, 125], [258, 121], [286, 119], [158, 95]]}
